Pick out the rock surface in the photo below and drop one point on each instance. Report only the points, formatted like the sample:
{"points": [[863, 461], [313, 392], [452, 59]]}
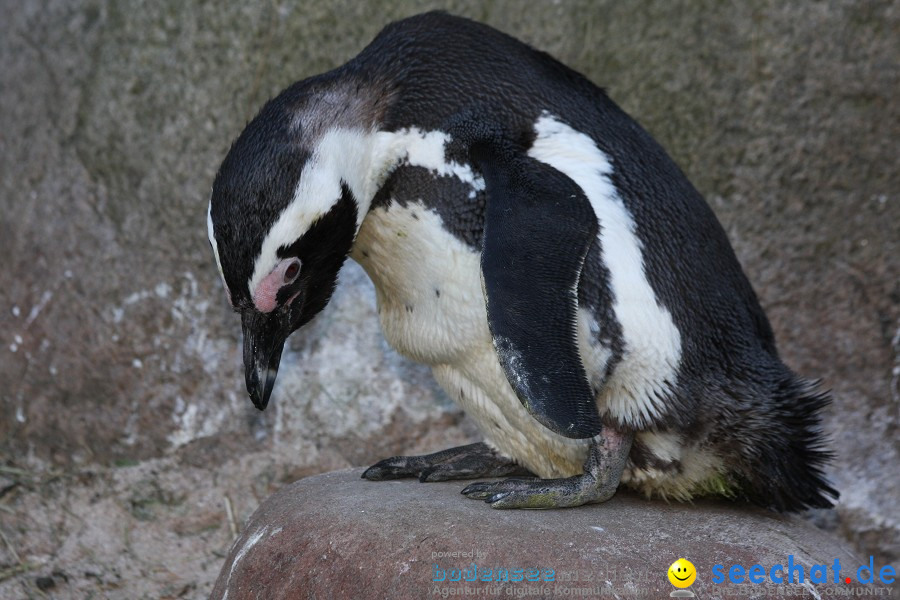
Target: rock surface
{"points": [[121, 382], [338, 536]]}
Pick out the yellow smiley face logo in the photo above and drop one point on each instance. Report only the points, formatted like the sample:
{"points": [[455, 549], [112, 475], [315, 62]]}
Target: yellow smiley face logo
{"points": [[682, 573]]}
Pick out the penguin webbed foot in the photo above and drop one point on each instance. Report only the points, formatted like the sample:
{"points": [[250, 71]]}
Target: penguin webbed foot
{"points": [[462, 462], [602, 472]]}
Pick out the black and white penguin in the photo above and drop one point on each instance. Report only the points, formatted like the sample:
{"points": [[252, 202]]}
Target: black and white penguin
{"points": [[540, 251]]}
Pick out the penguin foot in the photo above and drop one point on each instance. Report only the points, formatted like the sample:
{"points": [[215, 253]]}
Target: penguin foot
{"points": [[462, 462], [602, 472]]}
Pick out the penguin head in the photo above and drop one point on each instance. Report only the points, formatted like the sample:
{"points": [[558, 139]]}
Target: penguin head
{"points": [[282, 219]]}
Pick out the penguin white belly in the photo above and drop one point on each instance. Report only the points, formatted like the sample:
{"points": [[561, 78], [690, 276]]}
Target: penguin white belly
{"points": [[432, 310]]}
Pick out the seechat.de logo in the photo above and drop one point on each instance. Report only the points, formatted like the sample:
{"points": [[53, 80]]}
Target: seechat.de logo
{"points": [[682, 574]]}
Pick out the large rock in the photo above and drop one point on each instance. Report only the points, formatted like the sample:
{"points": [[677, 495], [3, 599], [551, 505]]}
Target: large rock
{"points": [[338, 536]]}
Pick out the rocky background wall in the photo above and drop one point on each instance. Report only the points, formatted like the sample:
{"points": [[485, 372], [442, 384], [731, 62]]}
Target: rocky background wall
{"points": [[129, 454]]}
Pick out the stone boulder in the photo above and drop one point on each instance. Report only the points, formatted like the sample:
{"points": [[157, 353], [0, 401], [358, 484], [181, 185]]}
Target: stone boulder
{"points": [[338, 536]]}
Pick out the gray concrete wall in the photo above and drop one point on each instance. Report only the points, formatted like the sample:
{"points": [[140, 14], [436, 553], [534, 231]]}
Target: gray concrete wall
{"points": [[116, 342]]}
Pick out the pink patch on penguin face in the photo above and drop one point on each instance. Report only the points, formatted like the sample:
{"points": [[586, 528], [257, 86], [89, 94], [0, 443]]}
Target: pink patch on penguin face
{"points": [[265, 294]]}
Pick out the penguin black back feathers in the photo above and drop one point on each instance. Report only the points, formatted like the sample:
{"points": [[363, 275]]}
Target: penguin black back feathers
{"points": [[540, 251]]}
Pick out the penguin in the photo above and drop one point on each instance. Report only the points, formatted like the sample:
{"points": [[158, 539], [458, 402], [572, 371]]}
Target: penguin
{"points": [[540, 251]]}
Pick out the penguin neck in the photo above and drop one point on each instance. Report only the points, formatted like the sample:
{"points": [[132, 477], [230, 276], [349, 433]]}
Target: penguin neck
{"points": [[385, 151], [364, 160], [396, 235], [351, 157], [370, 158]]}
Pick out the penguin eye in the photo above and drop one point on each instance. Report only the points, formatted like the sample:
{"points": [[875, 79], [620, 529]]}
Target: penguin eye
{"points": [[291, 272]]}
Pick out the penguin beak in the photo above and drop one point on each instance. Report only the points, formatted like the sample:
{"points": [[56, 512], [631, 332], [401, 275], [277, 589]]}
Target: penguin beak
{"points": [[264, 337]]}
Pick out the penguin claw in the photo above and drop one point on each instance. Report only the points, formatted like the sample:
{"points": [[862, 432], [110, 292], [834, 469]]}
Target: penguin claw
{"points": [[536, 493], [602, 473], [395, 467], [477, 491], [487, 490], [463, 462], [438, 473]]}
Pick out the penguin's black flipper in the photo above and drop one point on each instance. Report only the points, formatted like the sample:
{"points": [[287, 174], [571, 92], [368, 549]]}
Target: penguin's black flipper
{"points": [[539, 226]]}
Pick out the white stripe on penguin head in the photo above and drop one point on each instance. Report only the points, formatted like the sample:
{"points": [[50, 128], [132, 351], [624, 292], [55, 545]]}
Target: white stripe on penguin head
{"points": [[342, 155], [210, 232]]}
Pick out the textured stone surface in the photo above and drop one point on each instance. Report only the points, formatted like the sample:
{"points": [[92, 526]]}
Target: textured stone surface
{"points": [[337, 536], [116, 344]]}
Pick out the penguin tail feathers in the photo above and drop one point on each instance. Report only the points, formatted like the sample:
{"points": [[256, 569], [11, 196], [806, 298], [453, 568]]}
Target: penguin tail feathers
{"points": [[786, 467]]}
